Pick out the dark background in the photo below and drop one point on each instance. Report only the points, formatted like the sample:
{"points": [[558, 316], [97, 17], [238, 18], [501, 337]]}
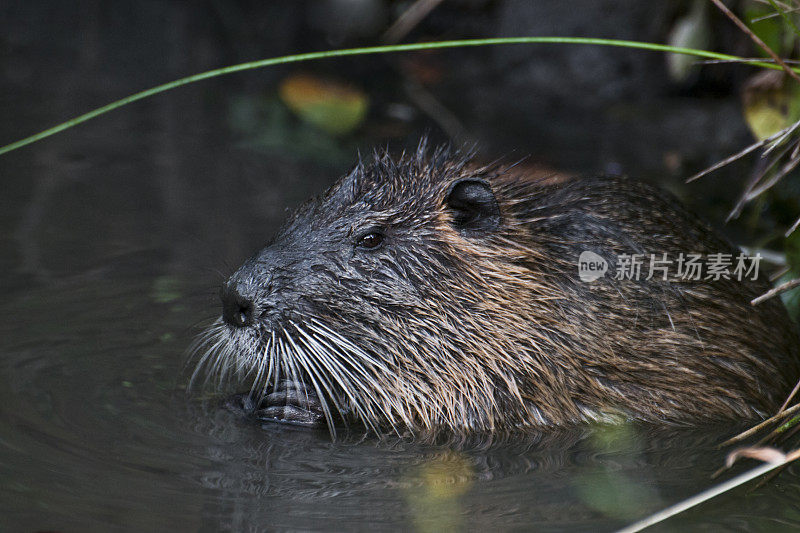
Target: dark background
{"points": [[201, 175]]}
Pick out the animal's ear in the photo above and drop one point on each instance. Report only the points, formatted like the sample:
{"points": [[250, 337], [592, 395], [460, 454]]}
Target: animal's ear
{"points": [[474, 207]]}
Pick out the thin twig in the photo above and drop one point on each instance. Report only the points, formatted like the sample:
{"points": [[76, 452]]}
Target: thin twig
{"points": [[785, 16], [754, 182], [727, 160], [709, 494], [783, 135], [765, 2], [755, 38], [773, 15], [789, 399], [773, 434], [775, 178], [773, 140], [794, 429], [793, 226], [784, 5], [744, 60], [409, 20], [779, 273], [783, 287], [758, 427], [428, 103]]}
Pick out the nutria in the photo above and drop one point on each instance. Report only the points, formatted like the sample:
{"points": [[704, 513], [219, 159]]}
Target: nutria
{"points": [[429, 293]]}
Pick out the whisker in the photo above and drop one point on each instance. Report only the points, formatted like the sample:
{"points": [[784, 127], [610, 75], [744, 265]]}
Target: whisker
{"points": [[289, 356], [355, 356], [336, 371], [346, 378], [257, 379], [311, 370]]}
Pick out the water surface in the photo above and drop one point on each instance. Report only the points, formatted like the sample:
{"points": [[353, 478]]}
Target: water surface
{"points": [[114, 239]]}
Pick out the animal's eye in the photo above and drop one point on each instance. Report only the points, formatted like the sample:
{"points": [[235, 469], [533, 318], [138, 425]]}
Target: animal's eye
{"points": [[371, 240]]}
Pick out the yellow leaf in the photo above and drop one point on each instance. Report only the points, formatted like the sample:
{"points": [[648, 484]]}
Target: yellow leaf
{"points": [[331, 106], [771, 103]]}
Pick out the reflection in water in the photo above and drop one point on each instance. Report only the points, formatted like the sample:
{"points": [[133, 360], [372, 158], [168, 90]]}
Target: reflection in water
{"points": [[434, 494], [96, 431], [620, 492]]}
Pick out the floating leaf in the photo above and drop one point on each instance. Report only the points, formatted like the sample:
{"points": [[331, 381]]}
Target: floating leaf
{"points": [[333, 107], [770, 103]]}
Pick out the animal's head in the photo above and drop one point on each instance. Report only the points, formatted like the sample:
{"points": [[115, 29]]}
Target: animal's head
{"points": [[393, 298]]}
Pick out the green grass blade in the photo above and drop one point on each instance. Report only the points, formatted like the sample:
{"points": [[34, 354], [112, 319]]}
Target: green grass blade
{"points": [[785, 16], [370, 50]]}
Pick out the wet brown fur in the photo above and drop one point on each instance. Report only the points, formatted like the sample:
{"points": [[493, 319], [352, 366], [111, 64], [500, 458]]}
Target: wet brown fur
{"points": [[497, 332]]}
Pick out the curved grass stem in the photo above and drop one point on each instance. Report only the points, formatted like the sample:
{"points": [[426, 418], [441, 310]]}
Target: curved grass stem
{"points": [[296, 58]]}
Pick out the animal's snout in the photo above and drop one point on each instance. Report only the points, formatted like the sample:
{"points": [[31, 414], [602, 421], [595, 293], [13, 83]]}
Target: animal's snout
{"points": [[238, 308]]}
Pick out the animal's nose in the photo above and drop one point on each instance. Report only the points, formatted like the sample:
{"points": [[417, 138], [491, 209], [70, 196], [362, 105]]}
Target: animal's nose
{"points": [[237, 309]]}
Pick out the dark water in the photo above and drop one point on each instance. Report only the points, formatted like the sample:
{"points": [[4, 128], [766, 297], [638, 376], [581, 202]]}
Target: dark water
{"points": [[101, 298], [115, 236], [96, 434]]}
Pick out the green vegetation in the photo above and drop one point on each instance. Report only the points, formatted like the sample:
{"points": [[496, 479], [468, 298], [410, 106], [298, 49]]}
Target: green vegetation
{"points": [[297, 58]]}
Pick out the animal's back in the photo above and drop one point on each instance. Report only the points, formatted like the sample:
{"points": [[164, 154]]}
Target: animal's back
{"points": [[677, 349]]}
